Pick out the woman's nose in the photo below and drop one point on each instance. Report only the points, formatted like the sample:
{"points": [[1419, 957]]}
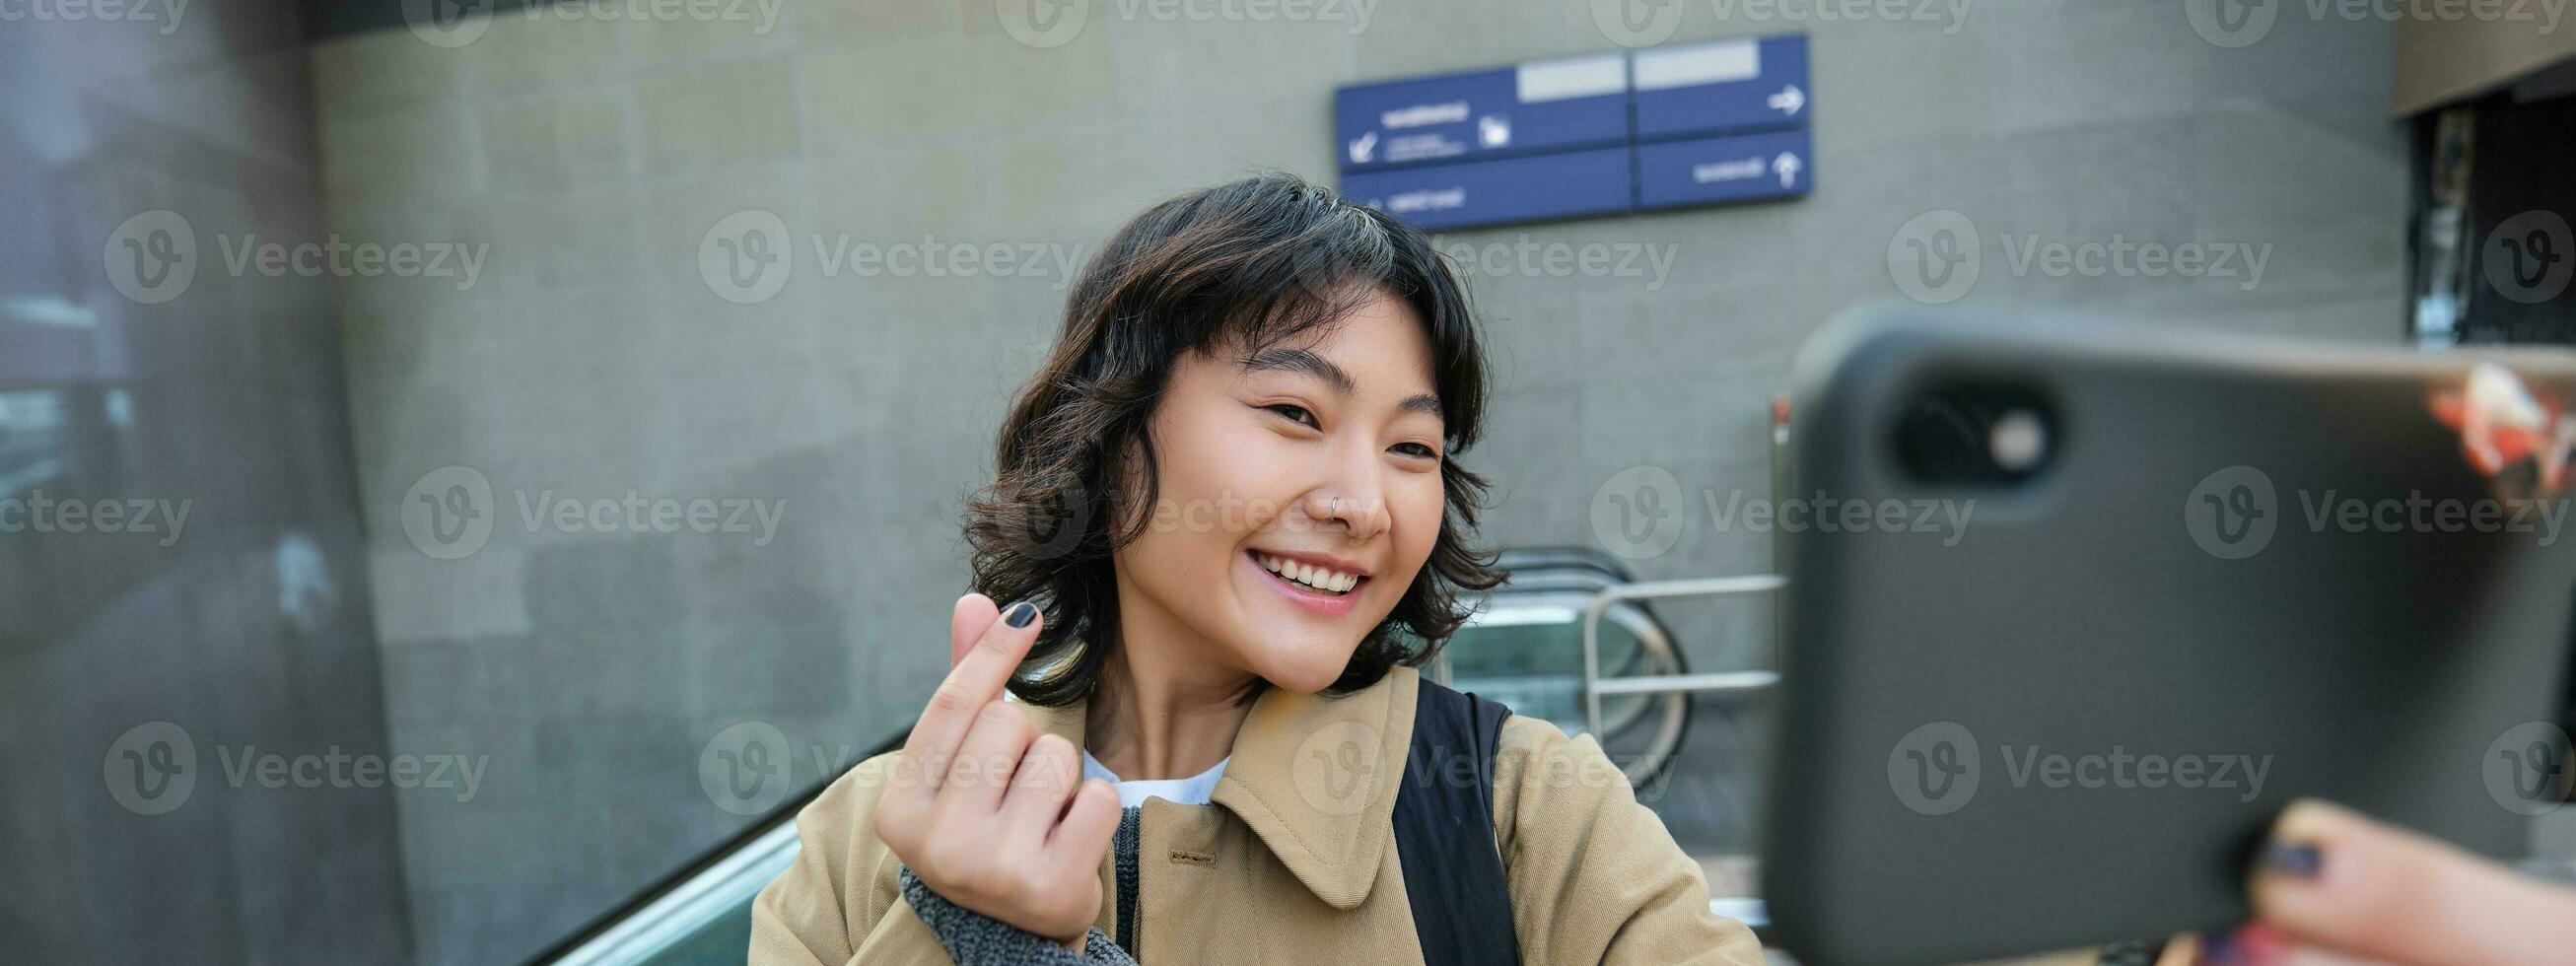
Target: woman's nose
{"points": [[1360, 516]]}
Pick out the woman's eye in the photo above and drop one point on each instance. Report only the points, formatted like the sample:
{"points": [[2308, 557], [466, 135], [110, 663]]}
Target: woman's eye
{"points": [[1294, 413], [1416, 449]]}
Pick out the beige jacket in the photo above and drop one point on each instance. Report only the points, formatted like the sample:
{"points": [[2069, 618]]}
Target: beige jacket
{"points": [[1295, 860]]}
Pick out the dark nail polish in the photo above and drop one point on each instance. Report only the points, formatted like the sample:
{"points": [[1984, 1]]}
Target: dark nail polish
{"points": [[2296, 859], [1021, 614]]}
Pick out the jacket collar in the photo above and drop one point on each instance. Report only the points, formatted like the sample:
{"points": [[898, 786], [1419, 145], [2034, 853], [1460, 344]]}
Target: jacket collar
{"points": [[1315, 778]]}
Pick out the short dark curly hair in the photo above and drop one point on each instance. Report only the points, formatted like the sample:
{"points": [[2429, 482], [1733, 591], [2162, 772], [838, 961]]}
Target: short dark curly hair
{"points": [[1245, 265]]}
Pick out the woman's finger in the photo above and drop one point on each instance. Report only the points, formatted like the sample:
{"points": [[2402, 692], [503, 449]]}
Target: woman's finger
{"points": [[2335, 880], [1049, 774], [974, 682], [966, 622], [1082, 839], [986, 760]]}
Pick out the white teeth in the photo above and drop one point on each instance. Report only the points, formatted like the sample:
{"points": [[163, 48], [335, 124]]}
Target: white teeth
{"points": [[1308, 574]]}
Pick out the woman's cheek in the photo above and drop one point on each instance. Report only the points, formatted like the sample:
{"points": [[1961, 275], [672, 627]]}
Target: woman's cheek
{"points": [[1416, 521]]}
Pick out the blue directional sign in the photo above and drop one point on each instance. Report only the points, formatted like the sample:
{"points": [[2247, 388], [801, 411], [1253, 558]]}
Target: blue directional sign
{"points": [[1743, 167], [1666, 127], [1538, 188], [1540, 106], [1724, 87]]}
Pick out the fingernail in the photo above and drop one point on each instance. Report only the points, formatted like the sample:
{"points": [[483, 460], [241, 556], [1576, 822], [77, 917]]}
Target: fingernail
{"points": [[2298, 860], [1020, 614]]}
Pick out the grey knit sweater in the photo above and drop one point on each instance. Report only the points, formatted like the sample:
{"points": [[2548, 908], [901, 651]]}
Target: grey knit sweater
{"points": [[974, 939]]}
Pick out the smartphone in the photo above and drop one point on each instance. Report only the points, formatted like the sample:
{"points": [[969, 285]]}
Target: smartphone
{"points": [[2191, 578]]}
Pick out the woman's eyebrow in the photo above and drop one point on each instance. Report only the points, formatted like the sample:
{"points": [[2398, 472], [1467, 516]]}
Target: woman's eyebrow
{"points": [[1333, 376], [1300, 360]]}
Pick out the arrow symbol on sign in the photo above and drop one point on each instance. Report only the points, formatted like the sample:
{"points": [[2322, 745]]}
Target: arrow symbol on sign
{"points": [[1362, 146], [1789, 100], [1786, 166]]}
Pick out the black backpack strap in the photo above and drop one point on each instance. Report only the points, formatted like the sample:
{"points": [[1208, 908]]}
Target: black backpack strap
{"points": [[1444, 831]]}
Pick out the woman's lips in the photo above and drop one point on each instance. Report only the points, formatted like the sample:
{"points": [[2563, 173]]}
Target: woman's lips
{"points": [[1316, 601]]}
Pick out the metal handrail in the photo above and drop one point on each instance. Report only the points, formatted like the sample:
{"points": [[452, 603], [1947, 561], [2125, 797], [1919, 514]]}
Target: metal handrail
{"points": [[1594, 685]]}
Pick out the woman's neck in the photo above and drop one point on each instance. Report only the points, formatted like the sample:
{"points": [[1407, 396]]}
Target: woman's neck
{"points": [[1167, 705]]}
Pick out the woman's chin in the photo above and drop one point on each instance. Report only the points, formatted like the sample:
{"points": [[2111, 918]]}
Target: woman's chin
{"points": [[1306, 674]]}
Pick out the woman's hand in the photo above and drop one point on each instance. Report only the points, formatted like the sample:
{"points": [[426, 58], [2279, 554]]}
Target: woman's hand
{"points": [[2333, 887], [991, 814]]}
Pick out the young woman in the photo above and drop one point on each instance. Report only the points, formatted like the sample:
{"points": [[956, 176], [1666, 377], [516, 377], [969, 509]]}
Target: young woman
{"points": [[1230, 523]]}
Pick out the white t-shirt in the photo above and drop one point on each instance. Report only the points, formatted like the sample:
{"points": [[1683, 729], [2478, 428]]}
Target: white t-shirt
{"points": [[1194, 790]]}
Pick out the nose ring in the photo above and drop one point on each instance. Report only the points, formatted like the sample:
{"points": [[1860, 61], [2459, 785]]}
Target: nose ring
{"points": [[1337, 506]]}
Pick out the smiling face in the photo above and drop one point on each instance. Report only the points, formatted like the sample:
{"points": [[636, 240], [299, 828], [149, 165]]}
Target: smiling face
{"points": [[1298, 493]]}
